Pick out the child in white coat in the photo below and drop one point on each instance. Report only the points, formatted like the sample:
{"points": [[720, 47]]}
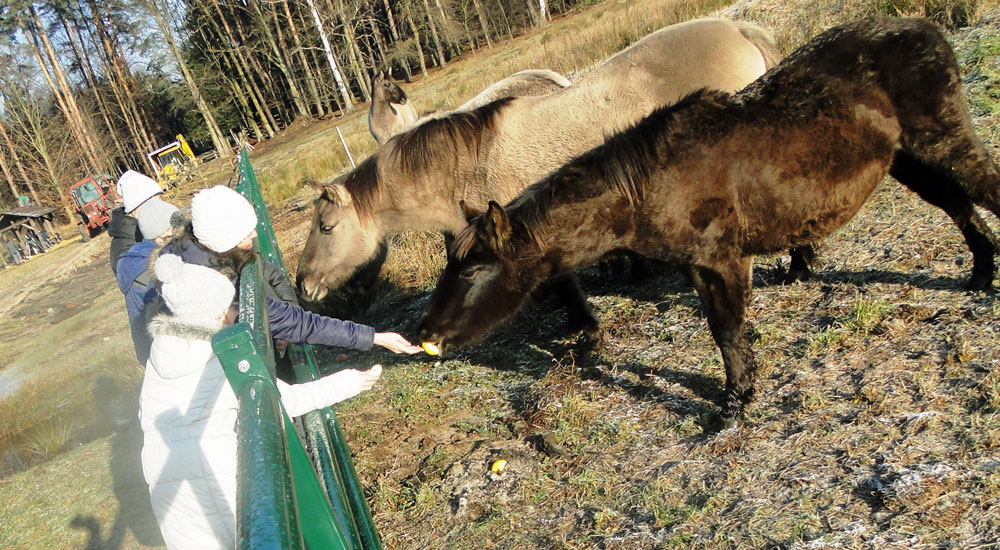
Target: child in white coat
{"points": [[187, 409]]}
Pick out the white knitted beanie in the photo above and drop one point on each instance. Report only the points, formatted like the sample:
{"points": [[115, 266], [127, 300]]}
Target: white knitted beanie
{"points": [[193, 292], [156, 217], [135, 188], [221, 218]]}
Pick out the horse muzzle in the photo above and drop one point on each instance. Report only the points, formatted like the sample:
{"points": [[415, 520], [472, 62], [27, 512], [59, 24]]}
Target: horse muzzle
{"points": [[312, 291]]}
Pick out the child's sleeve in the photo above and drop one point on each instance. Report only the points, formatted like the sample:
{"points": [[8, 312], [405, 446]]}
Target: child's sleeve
{"points": [[299, 399], [291, 323]]}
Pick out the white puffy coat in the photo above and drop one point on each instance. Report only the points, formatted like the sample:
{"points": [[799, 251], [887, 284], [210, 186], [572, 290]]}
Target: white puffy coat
{"points": [[187, 411]]}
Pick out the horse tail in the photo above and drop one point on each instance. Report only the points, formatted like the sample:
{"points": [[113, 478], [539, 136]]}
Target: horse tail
{"points": [[763, 41]]}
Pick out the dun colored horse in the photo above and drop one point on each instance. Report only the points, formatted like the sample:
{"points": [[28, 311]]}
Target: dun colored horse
{"points": [[390, 112], [530, 82], [717, 179], [419, 179]]}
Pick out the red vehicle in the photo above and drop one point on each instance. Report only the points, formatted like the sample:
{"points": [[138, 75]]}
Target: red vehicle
{"points": [[94, 198]]}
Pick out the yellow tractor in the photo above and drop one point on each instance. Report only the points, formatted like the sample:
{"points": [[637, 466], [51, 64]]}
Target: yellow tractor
{"points": [[173, 163]]}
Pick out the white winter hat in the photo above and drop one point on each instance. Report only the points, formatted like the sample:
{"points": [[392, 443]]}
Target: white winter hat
{"points": [[221, 218], [193, 291], [156, 217], [135, 189]]}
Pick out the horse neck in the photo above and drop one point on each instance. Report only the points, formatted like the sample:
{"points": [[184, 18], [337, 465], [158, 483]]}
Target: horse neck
{"points": [[424, 201], [570, 236]]}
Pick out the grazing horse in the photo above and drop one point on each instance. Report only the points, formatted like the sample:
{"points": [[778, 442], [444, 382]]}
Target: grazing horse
{"points": [[530, 82], [420, 179], [718, 178], [390, 112]]}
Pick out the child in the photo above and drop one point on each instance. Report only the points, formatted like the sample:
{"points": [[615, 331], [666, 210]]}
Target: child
{"points": [[223, 226], [135, 191], [157, 220], [187, 409]]}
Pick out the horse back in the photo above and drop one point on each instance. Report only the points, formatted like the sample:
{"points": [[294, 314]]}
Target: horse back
{"points": [[658, 70]]}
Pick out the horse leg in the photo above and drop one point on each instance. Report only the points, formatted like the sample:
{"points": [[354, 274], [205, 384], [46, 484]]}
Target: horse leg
{"points": [[724, 291], [579, 315], [802, 257], [948, 195]]}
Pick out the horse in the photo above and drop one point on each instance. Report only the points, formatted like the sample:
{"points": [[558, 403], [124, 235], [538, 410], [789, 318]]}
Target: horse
{"points": [[420, 179], [390, 111], [718, 178], [529, 82]]}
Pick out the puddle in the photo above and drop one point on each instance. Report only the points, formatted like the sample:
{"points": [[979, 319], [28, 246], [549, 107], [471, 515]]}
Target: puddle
{"points": [[11, 379]]}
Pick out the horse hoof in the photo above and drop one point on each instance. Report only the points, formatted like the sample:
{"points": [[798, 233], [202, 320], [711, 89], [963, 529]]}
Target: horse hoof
{"points": [[979, 282], [795, 275]]}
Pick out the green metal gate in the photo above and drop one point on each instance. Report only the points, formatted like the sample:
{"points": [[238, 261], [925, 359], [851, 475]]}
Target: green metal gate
{"points": [[290, 495]]}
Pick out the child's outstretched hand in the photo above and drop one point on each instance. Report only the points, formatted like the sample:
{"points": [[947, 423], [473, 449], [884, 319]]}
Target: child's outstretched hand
{"points": [[395, 343], [370, 376]]}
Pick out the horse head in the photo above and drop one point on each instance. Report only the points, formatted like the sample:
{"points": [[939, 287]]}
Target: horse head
{"points": [[482, 284], [339, 242], [384, 88]]}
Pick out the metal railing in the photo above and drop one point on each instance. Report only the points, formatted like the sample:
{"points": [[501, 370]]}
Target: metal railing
{"points": [[290, 495]]}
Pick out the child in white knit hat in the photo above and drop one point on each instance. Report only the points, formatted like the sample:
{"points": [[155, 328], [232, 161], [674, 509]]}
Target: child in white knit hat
{"points": [[223, 226], [187, 409], [157, 219], [136, 190]]}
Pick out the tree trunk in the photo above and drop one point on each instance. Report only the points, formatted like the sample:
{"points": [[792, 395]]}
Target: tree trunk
{"points": [[416, 38], [18, 165], [74, 129], [281, 57], [262, 75], [348, 104], [244, 70], [306, 69], [434, 35], [482, 22], [93, 153], [446, 29], [218, 138], [6, 174], [72, 33], [121, 87], [353, 54]]}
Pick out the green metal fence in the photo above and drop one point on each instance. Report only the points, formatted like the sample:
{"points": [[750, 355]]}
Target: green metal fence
{"points": [[290, 495]]}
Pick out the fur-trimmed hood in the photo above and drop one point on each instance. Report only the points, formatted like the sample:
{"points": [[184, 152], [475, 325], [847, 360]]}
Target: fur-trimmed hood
{"points": [[165, 324], [180, 346]]}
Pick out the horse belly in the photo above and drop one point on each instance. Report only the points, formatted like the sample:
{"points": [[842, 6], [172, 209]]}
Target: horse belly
{"points": [[798, 187], [796, 210]]}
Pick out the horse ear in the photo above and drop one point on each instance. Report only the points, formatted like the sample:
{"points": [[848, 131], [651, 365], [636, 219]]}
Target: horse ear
{"points": [[337, 194], [496, 227], [314, 184], [469, 211]]}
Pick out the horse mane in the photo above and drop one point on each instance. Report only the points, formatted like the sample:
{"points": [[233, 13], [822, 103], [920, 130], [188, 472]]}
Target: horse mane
{"points": [[622, 163], [363, 184], [438, 140]]}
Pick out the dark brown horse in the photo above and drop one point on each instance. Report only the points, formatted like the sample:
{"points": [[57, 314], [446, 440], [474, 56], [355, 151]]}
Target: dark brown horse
{"points": [[717, 179]]}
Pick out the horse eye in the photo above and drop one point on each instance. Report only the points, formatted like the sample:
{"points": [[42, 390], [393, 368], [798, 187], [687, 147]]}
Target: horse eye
{"points": [[326, 229], [469, 272]]}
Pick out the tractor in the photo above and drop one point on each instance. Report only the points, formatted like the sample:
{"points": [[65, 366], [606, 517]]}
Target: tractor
{"points": [[94, 198]]}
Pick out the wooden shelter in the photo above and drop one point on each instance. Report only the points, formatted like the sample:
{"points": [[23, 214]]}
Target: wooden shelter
{"points": [[25, 223]]}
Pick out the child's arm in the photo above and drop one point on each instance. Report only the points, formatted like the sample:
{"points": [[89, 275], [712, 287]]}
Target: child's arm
{"points": [[293, 324], [299, 399]]}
